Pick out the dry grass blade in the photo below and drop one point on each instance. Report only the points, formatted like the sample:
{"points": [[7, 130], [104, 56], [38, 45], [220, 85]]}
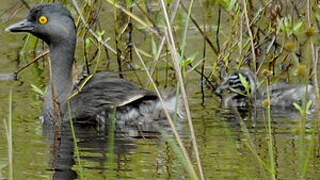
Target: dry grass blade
{"points": [[175, 58], [153, 66], [215, 50], [250, 35], [133, 16]]}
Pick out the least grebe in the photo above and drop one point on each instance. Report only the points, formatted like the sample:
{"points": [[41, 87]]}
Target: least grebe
{"points": [[54, 24], [281, 94]]}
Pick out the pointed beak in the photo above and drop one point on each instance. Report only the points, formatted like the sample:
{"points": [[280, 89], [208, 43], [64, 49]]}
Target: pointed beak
{"points": [[22, 26]]}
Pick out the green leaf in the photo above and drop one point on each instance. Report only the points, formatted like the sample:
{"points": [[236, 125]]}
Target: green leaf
{"points": [[87, 43], [298, 27], [3, 165], [189, 60], [93, 41], [129, 2], [298, 107], [231, 4], [37, 90], [100, 34], [186, 62], [223, 3], [144, 53], [304, 111], [245, 83], [195, 65], [154, 48], [308, 106], [286, 25], [237, 91]]}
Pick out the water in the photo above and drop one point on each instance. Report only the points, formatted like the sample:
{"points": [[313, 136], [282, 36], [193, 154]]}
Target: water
{"points": [[230, 142]]}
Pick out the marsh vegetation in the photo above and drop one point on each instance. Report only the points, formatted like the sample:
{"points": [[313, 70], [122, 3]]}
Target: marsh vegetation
{"points": [[188, 45]]}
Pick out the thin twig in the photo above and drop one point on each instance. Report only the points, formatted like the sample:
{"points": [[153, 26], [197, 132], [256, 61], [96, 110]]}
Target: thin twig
{"points": [[205, 49], [218, 29], [33, 61], [250, 35], [201, 31], [117, 38], [25, 4], [148, 16]]}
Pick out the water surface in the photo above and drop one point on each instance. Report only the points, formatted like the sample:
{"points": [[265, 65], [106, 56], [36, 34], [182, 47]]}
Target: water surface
{"points": [[229, 141]]}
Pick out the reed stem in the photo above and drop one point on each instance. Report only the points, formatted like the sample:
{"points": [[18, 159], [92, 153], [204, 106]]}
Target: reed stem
{"points": [[9, 137]]}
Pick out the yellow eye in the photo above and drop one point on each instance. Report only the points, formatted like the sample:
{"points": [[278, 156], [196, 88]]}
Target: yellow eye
{"points": [[43, 19]]}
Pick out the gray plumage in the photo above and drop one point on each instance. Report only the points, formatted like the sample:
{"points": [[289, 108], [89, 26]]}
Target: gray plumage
{"points": [[282, 95], [102, 92]]}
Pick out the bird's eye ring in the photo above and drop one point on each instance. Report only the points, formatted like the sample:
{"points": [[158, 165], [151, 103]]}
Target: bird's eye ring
{"points": [[43, 19]]}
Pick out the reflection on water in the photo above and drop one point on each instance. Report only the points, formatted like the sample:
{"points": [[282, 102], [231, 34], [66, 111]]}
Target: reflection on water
{"points": [[91, 142], [231, 143], [235, 143], [108, 150]]}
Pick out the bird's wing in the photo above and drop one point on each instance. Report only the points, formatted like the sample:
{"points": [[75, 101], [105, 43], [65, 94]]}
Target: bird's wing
{"points": [[104, 92]]}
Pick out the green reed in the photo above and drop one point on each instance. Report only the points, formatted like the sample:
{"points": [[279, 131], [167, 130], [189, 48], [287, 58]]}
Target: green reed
{"points": [[76, 148], [270, 135]]}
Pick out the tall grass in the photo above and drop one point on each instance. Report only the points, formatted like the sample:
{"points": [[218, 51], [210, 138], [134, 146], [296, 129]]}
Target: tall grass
{"points": [[270, 135]]}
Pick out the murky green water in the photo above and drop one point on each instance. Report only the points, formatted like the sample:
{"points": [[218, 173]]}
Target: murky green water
{"points": [[229, 142]]}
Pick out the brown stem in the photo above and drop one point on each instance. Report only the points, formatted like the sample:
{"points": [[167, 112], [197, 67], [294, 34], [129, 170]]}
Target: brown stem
{"points": [[33, 61], [55, 107]]}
